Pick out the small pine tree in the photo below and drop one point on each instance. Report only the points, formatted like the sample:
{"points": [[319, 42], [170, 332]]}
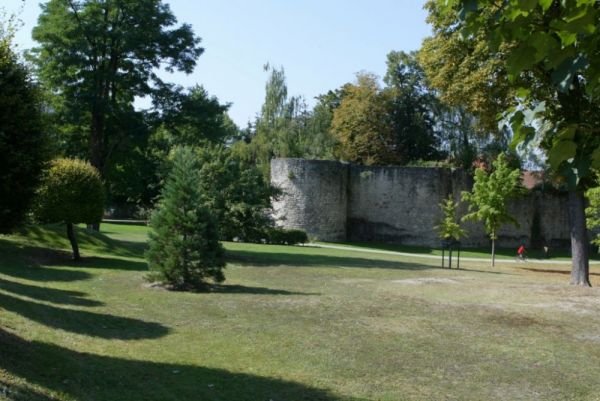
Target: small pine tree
{"points": [[488, 201], [449, 228], [184, 249]]}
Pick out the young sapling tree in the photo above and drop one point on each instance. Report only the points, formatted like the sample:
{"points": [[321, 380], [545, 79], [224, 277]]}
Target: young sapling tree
{"points": [[488, 201]]}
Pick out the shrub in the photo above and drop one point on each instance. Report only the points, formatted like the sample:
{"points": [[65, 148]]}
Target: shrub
{"points": [[280, 236], [70, 192], [593, 213], [184, 249]]}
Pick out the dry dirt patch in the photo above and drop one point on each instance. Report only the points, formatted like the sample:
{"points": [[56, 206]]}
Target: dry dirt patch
{"points": [[426, 280]]}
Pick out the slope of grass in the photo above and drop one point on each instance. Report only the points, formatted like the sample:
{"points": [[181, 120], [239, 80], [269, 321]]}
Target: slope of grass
{"points": [[291, 323]]}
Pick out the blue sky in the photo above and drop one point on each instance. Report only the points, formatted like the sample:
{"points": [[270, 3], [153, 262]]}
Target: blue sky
{"points": [[321, 44]]}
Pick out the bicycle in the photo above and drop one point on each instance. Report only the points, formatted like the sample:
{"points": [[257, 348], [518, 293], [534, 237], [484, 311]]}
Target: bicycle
{"points": [[521, 258]]}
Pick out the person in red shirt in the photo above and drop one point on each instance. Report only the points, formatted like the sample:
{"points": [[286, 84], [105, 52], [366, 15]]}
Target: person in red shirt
{"points": [[521, 252]]}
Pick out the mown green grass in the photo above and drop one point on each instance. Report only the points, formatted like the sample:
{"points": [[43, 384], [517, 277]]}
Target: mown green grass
{"points": [[291, 323]]}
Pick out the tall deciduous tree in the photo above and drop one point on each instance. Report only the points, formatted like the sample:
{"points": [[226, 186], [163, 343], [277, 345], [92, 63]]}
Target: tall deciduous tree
{"points": [[286, 127], [412, 109], [550, 49], [361, 124], [464, 71], [488, 200], [96, 56], [196, 118]]}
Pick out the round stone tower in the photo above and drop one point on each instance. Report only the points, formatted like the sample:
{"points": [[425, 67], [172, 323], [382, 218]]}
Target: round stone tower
{"points": [[314, 197]]}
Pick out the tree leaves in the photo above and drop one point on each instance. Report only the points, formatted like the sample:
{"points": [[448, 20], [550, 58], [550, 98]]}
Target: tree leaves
{"points": [[553, 46], [545, 4], [561, 151], [596, 158], [564, 74], [488, 201], [520, 59]]}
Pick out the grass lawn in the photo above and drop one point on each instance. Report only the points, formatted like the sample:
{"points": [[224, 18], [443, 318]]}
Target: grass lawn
{"points": [[501, 253], [292, 323]]}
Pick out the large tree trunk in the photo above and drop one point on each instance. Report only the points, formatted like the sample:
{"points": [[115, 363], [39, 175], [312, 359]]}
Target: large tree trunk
{"points": [[97, 150], [97, 141], [73, 240], [580, 272]]}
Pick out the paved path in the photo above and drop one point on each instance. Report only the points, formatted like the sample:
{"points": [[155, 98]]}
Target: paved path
{"points": [[419, 255]]}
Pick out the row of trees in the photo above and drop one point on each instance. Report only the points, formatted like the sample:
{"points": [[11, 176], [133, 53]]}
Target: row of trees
{"points": [[91, 67], [402, 122], [442, 103]]}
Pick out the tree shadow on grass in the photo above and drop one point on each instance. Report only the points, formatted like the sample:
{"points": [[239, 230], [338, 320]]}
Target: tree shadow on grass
{"points": [[83, 322], [242, 289], [16, 392], [269, 258], [85, 376], [47, 294], [28, 262], [101, 262], [54, 236], [38, 263]]}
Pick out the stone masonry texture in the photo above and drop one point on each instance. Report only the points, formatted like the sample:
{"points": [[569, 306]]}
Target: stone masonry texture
{"points": [[335, 201]]}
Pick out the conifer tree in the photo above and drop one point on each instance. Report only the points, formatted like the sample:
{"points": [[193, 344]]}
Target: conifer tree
{"points": [[184, 249], [22, 136]]}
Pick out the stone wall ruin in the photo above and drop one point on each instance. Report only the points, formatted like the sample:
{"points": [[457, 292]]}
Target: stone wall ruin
{"points": [[335, 201]]}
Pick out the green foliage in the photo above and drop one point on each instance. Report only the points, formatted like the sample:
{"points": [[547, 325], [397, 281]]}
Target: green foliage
{"points": [[361, 125], [184, 249], [473, 87], [194, 118], [488, 201], [391, 125], [22, 137], [236, 192], [412, 109], [593, 212], [449, 228], [281, 236], [550, 51], [464, 70], [71, 191], [286, 128], [191, 118], [95, 57]]}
